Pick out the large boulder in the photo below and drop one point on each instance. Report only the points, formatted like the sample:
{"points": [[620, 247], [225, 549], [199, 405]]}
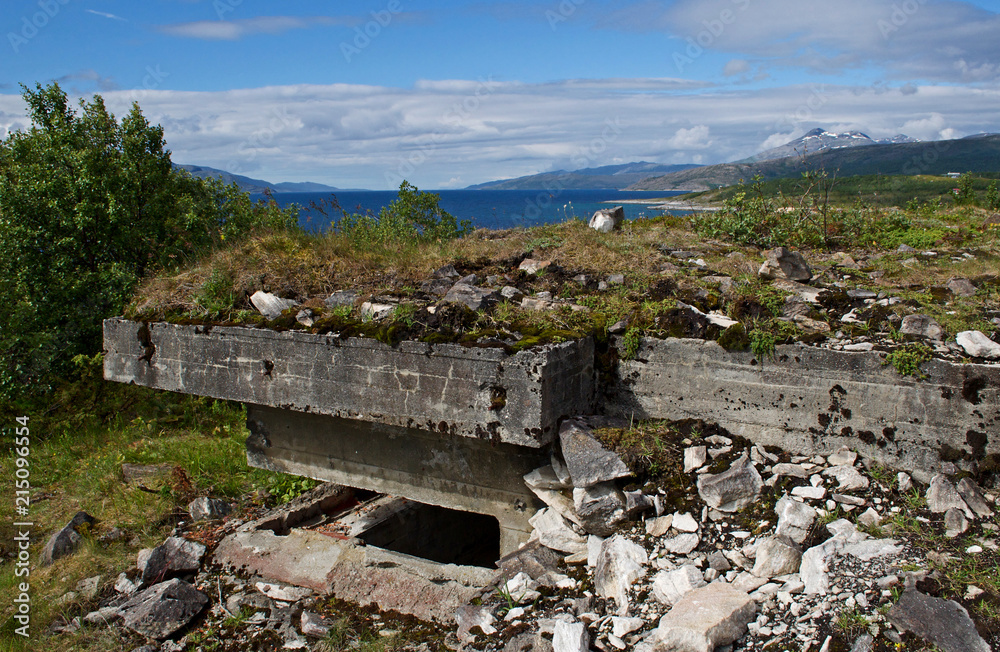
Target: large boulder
{"points": [[922, 326], [475, 298], [731, 490], [161, 610], [607, 220], [978, 345], [781, 263], [175, 556], [601, 508], [588, 462], [66, 540], [776, 556], [704, 619], [619, 563], [944, 623], [270, 305]]}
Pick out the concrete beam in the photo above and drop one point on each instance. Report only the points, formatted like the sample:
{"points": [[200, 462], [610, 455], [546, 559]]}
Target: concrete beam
{"points": [[481, 393], [812, 400], [459, 473]]}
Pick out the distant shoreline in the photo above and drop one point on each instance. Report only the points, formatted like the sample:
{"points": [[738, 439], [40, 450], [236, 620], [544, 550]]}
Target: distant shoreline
{"points": [[666, 204]]}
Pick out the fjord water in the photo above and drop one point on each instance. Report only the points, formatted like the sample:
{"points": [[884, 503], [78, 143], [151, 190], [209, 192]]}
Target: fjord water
{"points": [[495, 209]]}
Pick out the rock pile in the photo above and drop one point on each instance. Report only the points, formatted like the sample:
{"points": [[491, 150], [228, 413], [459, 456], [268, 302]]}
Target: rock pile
{"points": [[762, 550]]}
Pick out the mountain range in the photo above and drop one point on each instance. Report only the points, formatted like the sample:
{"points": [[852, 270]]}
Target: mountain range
{"points": [[254, 185], [979, 153], [607, 176], [819, 140]]}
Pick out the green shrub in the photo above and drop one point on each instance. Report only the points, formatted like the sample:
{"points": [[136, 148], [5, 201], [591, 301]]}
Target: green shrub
{"points": [[88, 206], [413, 216]]}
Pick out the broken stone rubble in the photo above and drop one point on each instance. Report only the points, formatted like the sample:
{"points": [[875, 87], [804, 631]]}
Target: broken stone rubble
{"points": [[710, 600]]}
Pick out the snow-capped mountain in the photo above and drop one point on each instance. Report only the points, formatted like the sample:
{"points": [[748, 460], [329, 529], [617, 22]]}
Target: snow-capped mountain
{"points": [[819, 140]]}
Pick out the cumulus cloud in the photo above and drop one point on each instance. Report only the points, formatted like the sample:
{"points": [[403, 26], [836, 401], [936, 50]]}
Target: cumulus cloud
{"points": [[694, 138], [439, 132]]}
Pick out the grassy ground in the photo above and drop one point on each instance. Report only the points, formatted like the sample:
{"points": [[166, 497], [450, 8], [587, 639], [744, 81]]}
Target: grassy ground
{"points": [[79, 441]]}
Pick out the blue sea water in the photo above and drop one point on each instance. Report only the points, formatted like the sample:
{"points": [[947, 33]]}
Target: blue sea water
{"points": [[495, 209]]}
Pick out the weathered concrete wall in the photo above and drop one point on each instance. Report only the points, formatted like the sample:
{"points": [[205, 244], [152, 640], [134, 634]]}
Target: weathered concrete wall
{"points": [[428, 467], [814, 400], [472, 392]]}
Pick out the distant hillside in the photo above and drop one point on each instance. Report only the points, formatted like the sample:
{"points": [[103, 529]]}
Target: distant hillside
{"points": [[254, 185], [980, 153], [819, 140], [608, 176]]}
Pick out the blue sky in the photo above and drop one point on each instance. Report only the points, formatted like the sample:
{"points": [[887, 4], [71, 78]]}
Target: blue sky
{"points": [[447, 94]]}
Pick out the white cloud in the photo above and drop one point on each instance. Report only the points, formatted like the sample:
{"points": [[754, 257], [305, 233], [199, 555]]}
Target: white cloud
{"points": [[694, 138], [105, 15], [918, 39], [438, 132], [736, 67], [232, 30]]}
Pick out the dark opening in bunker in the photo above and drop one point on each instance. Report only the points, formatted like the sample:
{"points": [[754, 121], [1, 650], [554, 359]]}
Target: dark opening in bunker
{"points": [[443, 535]]}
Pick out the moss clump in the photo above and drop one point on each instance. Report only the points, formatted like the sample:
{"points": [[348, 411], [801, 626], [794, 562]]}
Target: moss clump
{"points": [[734, 338]]}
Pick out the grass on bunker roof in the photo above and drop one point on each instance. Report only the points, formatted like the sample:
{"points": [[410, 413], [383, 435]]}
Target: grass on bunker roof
{"points": [[661, 260]]}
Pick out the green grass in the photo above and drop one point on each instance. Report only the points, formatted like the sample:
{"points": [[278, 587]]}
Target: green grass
{"points": [[80, 439]]}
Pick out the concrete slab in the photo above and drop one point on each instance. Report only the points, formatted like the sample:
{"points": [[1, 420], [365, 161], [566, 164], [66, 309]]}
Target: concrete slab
{"points": [[343, 565], [429, 467], [812, 400], [481, 393]]}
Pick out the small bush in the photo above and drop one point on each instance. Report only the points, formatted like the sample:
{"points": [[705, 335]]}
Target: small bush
{"points": [[413, 216]]}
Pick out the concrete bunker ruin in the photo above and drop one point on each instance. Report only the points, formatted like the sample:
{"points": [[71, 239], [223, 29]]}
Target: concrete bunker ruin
{"points": [[436, 427]]}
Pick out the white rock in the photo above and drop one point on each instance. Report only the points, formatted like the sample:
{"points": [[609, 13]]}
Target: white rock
{"points": [[869, 518], [554, 532], [270, 305], [570, 637], [792, 470], [681, 544], [670, 586], [978, 345], [843, 457], [619, 563], [704, 619], [657, 527], [904, 481], [776, 556], [684, 522], [731, 490], [521, 589], [795, 519], [622, 627], [694, 457], [942, 496], [811, 493], [283, 593], [545, 478], [848, 478], [955, 523]]}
